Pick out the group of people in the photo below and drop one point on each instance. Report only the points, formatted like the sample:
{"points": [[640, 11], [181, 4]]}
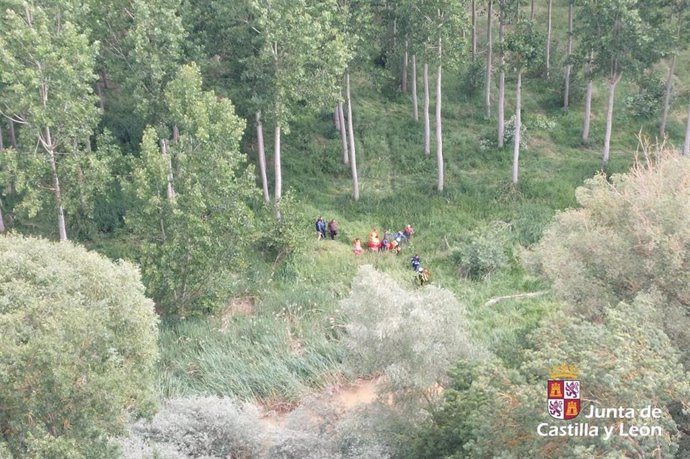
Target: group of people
{"points": [[321, 228], [390, 242]]}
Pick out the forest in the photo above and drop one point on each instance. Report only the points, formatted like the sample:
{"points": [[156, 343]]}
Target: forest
{"points": [[164, 292]]}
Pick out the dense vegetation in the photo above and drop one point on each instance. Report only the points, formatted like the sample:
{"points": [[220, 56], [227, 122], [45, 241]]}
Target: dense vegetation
{"points": [[201, 140]]}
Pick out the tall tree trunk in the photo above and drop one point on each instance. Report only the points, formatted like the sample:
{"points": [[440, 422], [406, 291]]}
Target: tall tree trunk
{"points": [[336, 118], [489, 57], [170, 191], [262, 156], [2, 220], [613, 81], [518, 125], [351, 135], [176, 134], [474, 30], [667, 97], [403, 84], [415, 108], [686, 144], [2, 142], [62, 228], [501, 83], [101, 99], [278, 192], [588, 101], [439, 128], [568, 67], [548, 38], [427, 126], [531, 11], [343, 134], [13, 135]]}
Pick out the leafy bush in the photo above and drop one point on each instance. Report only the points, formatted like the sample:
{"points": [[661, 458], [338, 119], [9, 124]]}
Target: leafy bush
{"points": [[77, 349], [414, 337], [199, 427], [631, 236], [483, 251], [648, 100]]}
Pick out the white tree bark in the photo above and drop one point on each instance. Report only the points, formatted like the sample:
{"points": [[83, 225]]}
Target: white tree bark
{"points": [[170, 191], [343, 135], [57, 191], [566, 93], [613, 81], [501, 86], [278, 192], [427, 122], [2, 220], [403, 84], [531, 11], [262, 156], [415, 105], [336, 118], [474, 30], [439, 128], [518, 126], [13, 135], [2, 142], [548, 38], [489, 57], [667, 97], [588, 102], [686, 144], [351, 135]]}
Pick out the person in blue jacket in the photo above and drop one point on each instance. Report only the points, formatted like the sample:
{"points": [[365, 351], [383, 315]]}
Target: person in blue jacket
{"points": [[320, 228]]}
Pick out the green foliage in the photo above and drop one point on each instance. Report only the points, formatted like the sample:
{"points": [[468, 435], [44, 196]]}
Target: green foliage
{"points": [[629, 236], [191, 206], [412, 337], [648, 100], [77, 349], [483, 251], [493, 411]]}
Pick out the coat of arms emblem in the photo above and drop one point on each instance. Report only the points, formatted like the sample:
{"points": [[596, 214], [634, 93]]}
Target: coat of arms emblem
{"points": [[563, 392]]}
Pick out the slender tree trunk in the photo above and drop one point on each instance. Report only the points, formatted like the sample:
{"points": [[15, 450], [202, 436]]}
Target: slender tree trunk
{"points": [[667, 97], [13, 135], [609, 118], [2, 142], [170, 192], [427, 126], [415, 107], [343, 134], [62, 228], [278, 192], [2, 220], [262, 156], [548, 38], [588, 101], [518, 126], [531, 10], [101, 99], [501, 85], [489, 57], [176, 134], [474, 30], [351, 135], [439, 127], [403, 84], [568, 67], [336, 118], [686, 144]]}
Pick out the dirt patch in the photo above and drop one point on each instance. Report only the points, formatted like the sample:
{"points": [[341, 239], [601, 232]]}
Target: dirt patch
{"points": [[241, 306]]}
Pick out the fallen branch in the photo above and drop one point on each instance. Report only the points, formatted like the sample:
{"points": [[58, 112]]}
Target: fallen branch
{"points": [[498, 299]]}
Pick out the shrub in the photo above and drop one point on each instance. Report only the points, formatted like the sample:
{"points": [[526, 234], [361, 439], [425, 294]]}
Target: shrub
{"points": [[648, 100], [631, 235], [483, 251], [414, 337], [77, 349]]}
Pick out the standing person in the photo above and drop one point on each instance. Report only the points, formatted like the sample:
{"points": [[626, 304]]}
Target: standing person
{"points": [[333, 228], [415, 262], [408, 232], [320, 228]]}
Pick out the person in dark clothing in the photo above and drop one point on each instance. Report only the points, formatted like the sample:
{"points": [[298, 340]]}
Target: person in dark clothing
{"points": [[415, 262], [333, 228], [320, 228]]}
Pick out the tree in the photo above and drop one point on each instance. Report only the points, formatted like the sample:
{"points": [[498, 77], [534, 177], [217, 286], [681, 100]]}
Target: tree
{"points": [[50, 96], [522, 52], [192, 237], [569, 52], [303, 55], [489, 60], [78, 346], [619, 39]]}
